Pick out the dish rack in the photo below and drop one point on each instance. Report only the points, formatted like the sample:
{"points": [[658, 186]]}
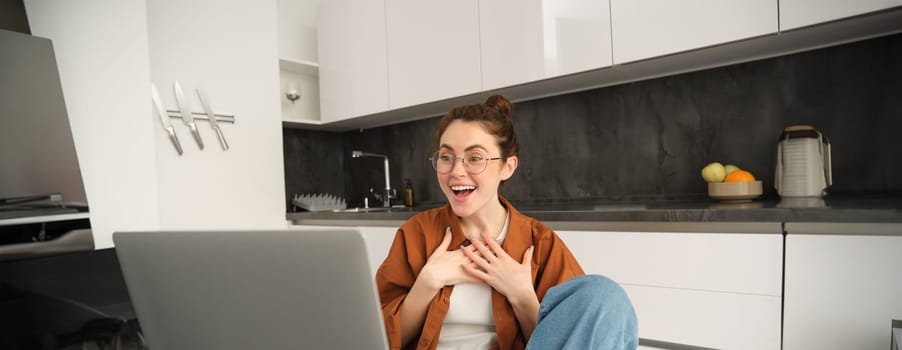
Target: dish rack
{"points": [[318, 202]]}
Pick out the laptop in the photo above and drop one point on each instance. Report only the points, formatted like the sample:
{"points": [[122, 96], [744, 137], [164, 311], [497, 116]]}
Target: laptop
{"points": [[252, 289]]}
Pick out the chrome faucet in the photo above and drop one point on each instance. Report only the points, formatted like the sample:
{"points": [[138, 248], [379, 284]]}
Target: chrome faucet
{"points": [[388, 193]]}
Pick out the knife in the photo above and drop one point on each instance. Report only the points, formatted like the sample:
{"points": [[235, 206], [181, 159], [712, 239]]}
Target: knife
{"points": [[155, 94], [213, 123], [187, 117]]}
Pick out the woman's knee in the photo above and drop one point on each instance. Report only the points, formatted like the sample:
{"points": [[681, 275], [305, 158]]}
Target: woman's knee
{"points": [[602, 292], [599, 306], [597, 285]]}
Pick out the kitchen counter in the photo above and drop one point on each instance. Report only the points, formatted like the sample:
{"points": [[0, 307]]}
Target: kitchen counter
{"points": [[577, 213]]}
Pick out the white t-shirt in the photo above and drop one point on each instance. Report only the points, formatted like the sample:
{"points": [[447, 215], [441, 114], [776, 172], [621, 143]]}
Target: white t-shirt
{"points": [[469, 323]]}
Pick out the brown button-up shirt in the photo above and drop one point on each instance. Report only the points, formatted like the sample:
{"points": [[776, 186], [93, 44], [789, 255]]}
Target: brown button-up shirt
{"points": [[552, 264]]}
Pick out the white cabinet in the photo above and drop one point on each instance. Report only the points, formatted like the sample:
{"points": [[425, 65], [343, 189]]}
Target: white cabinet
{"points": [[352, 53], [378, 240], [298, 70], [299, 80], [648, 28], [843, 285], [433, 50], [400, 60], [109, 52], [801, 13], [717, 290], [703, 289], [524, 41], [296, 21]]}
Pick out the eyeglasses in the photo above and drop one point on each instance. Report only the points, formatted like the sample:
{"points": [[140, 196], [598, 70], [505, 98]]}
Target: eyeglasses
{"points": [[473, 162]]}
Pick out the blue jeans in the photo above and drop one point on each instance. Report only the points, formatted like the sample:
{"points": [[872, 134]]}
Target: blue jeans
{"points": [[586, 312]]}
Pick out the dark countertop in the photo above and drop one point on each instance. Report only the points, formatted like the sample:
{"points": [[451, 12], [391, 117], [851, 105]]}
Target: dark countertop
{"points": [[835, 209]]}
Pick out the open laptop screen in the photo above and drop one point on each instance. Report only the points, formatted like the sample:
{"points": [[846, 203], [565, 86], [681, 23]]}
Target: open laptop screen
{"points": [[252, 289], [37, 152]]}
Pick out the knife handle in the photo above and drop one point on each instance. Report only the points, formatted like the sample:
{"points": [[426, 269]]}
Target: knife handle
{"points": [[222, 140], [196, 134], [174, 139]]}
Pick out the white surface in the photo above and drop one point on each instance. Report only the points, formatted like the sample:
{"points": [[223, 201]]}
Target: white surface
{"points": [[109, 52], [737, 263], [734, 52], [732, 320], [800, 13], [707, 319], [231, 52], [301, 67], [897, 337], [433, 50], [841, 291], [378, 240], [523, 41], [702, 289], [352, 53], [101, 52], [648, 28], [297, 29], [298, 69], [305, 108]]}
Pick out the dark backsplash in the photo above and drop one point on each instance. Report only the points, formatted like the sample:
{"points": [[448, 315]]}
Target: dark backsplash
{"points": [[650, 139]]}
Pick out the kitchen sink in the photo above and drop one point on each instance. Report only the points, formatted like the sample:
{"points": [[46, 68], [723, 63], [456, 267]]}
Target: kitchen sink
{"points": [[365, 210], [619, 207]]}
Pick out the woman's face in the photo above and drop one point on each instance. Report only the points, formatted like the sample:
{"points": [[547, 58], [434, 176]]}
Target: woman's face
{"points": [[468, 193]]}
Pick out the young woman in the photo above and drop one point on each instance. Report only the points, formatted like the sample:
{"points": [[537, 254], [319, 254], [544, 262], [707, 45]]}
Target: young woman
{"points": [[514, 282]]}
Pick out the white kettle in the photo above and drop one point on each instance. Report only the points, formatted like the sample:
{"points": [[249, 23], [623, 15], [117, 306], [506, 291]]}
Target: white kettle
{"points": [[804, 167]]}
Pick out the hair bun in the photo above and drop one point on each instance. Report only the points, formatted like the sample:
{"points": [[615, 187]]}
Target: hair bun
{"points": [[500, 104]]}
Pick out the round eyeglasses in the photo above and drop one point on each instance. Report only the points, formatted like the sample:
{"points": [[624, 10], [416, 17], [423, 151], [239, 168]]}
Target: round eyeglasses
{"points": [[473, 162]]}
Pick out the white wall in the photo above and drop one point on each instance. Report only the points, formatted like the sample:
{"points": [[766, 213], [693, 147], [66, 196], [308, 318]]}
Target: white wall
{"points": [[230, 50]]}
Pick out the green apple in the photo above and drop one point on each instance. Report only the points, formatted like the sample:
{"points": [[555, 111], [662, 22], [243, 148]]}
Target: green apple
{"points": [[713, 172], [729, 168]]}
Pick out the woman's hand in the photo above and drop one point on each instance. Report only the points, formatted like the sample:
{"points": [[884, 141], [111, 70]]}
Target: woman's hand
{"points": [[491, 264], [443, 267]]}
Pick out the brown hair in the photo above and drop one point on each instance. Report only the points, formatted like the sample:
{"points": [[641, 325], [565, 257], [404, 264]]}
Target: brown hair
{"points": [[494, 115]]}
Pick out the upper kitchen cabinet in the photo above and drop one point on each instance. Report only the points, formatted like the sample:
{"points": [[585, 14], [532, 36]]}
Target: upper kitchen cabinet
{"points": [[649, 28], [297, 30], [433, 50], [525, 41], [352, 59], [801, 13], [298, 68]]}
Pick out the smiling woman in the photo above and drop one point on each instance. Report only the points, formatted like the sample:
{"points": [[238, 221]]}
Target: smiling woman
{"points": [[515, 284]]}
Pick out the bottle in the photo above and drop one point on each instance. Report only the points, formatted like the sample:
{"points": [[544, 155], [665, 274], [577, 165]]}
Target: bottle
{"points": [[408, 194]]}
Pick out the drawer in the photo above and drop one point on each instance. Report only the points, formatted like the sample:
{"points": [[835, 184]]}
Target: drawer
{"points": [[725, 262], [707, 319]]}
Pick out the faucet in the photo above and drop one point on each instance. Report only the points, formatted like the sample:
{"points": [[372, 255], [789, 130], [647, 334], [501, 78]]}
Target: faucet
{"points": [[388, 193]]}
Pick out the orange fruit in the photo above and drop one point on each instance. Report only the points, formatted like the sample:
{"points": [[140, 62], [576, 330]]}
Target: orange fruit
{"points": [[739, 176]]}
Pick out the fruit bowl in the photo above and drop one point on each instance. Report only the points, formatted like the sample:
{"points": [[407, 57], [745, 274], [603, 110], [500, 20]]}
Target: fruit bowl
{"points": [[735, 191]]}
